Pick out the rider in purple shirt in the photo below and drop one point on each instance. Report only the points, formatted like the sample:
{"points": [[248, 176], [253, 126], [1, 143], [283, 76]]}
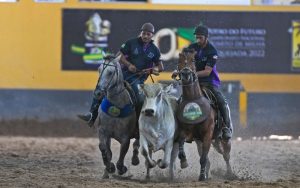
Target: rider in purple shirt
{"points": [[205, 60]]}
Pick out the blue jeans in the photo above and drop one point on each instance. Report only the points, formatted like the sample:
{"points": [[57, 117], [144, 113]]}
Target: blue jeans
{"points": [[133, 81]]}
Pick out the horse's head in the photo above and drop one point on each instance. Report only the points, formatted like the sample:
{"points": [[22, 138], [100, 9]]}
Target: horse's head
{"points": [[186, 66], [110, 74]]}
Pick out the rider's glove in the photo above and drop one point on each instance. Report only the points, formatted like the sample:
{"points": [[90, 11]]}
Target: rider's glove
{"points": [[174, 74], [155, 71], [132, 68]]}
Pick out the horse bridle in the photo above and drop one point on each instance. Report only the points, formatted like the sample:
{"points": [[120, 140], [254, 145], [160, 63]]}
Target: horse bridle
{"points": [[105, 65], [187, 70]]}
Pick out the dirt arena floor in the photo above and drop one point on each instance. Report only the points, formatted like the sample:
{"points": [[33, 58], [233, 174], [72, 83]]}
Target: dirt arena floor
{"points": [[76, 162]]}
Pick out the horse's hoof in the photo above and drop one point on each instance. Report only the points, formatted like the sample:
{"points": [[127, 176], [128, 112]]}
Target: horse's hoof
{"points": [[183, 163], [122, 169], [162, 164], [105, 175], [202, 177], [150, 164], [147, 178], [230, 175], [135, 160], [111, 169]]}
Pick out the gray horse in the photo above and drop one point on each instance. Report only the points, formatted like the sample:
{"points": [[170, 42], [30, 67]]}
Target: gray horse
{"points": [[117, 117]]}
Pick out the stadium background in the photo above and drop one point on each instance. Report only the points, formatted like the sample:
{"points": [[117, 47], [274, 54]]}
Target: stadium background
{"points": [[43, 82]]}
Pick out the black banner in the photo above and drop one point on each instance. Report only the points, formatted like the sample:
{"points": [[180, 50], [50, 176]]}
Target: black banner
{"points": [[247, 42]]}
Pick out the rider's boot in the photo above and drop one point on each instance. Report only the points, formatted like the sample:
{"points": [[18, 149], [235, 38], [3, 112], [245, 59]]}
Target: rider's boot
{"points": [[228, 129], [91, 116]]}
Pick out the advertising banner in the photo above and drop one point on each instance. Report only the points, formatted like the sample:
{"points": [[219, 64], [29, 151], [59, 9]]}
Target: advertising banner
{"points": [[203, 2], [296, 45], [247, 42]]}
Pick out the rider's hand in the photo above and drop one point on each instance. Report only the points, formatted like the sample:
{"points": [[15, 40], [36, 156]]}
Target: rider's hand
{"points": [[132, 68], [155, 71], [175, 73]]}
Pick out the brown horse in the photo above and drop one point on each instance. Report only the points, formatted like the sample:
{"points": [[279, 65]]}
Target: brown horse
{"points": [[198, 119]]}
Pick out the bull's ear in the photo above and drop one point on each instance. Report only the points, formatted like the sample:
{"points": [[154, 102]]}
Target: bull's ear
{"points": [[159, 95]]}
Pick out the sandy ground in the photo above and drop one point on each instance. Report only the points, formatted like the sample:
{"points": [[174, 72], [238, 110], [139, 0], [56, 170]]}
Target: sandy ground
{"points": [[76, 162]]}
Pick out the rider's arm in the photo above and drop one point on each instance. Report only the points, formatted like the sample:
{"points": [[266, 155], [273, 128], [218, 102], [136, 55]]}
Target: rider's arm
{"points": [[211, 62], [205, 72], [125, 52], [125, 62], [158, 65]]}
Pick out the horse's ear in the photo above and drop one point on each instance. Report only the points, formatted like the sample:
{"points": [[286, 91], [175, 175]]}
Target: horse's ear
{"points": [[141, 87], [109, 57], [194, 52], [181, 62], [100, 68]]}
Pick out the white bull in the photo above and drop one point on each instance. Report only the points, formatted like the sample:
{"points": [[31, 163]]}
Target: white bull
{"points": [[157, 126]]}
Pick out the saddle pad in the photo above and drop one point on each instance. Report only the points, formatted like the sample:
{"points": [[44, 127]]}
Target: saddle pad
{"points": [[114, 111], [193, 112]]}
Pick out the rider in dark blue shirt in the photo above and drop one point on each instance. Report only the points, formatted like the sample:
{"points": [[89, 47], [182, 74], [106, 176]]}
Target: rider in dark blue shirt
{"points": [[137, 54]]}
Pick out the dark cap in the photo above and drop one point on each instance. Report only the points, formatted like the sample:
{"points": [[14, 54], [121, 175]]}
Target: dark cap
{"points": [[201, 30], [148, 27]]}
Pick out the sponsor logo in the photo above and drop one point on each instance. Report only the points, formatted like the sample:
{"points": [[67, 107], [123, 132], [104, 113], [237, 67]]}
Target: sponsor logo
{"points": [[192, 111], [114, 111], [96, 35]]}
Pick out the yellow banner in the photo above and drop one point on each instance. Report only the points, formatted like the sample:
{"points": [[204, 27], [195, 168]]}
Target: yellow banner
{"points": [[296, 45]]}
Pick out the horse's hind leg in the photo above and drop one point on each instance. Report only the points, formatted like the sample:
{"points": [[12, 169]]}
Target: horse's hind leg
{"points": [[104, 147], [226, 155], [135, 158], [122, 169]]}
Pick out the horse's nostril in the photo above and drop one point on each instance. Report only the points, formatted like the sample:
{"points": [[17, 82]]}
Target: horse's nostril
{"points": [[149, 112]]}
